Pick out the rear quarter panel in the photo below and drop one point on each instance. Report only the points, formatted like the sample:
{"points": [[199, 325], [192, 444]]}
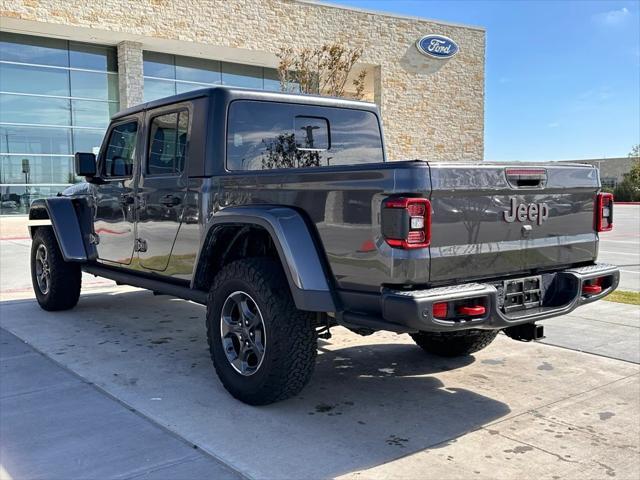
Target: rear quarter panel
{"points": [[342, 206]]}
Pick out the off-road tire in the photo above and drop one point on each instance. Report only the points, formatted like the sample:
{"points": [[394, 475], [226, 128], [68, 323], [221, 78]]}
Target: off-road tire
{"points": [[65, 278], [291, 342], [454, 344]]}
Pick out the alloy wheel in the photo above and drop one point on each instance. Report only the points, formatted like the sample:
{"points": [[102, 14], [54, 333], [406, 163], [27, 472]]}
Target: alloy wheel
{"points": [[43, 272], [242, 333]]}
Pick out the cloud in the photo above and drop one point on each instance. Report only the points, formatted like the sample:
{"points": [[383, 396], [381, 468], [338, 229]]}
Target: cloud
{"points": [[612, 18], [553, 125], [504, 80], [600, 94]]}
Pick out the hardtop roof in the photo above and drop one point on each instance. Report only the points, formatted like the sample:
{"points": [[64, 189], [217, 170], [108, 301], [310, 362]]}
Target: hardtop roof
{"points": [[228, 94]]}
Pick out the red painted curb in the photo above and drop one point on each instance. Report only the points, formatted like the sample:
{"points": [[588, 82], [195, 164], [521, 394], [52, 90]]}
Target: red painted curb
{"points": [[15, 238]]}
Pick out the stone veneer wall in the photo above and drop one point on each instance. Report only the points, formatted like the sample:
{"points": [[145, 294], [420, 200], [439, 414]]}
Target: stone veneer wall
{"points": [[130, 79], [431, 108]]}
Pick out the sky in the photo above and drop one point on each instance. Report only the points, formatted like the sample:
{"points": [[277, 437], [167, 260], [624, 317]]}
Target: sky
{"points": [[562, 78]]}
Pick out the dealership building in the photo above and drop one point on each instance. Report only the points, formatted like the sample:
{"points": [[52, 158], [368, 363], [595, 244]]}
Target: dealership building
{"points": [[66, 66]]}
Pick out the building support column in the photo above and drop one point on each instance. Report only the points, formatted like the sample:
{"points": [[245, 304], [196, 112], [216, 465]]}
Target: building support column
{"points": [[130, 81]]}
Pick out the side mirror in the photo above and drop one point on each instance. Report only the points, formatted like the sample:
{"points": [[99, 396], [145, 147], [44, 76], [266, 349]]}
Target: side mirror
{"points": [[85, 164]]}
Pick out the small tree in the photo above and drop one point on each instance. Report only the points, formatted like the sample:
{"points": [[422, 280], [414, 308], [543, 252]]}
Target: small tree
{"points": [[629, 189], [322, 70]]}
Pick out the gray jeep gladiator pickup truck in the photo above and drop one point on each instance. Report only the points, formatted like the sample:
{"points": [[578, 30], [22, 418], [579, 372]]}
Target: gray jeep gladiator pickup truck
{"points": [[281, 214]]}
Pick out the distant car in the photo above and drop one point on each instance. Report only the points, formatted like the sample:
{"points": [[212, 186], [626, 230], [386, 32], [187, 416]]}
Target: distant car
{"points": [[281, 214]]}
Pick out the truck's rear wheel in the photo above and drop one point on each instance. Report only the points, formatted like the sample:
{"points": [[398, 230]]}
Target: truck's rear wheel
{"points": [[262, 347], [56, 283], [454, 344]]}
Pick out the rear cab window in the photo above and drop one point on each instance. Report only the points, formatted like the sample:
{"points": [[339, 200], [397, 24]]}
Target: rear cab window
{"points": [[272, 135], [167, 143]]}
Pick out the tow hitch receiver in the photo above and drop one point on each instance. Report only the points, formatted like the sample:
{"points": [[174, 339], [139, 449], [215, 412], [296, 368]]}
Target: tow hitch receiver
{"points": [[525, 332]]}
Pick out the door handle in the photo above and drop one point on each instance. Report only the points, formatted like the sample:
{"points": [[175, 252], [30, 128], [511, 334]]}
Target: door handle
{"points": [[126, 199], [170, 201]]}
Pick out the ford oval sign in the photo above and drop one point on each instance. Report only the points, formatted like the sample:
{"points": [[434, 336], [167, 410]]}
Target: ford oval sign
{"points": [[437, 46]]}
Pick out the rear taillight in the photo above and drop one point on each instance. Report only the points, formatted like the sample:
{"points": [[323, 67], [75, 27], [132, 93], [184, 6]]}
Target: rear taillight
{"points": [[604, 212], [406, 222]]}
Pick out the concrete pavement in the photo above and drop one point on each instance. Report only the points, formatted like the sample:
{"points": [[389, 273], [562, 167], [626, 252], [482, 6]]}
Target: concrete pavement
{"points": [[376, 405], [56, 425]]}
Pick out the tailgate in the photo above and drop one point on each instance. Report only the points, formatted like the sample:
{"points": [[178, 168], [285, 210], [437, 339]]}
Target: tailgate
{"points": [[494, 219]]}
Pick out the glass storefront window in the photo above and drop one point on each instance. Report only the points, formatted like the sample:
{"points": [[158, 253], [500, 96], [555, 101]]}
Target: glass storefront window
{"points": [[19, 139], [34, 110], [189, 87], [56, 98], [92, 114], [35, 80], [35, 50], [154, 89], [25, 169], [198, 70], [93, 57], [238, 75], [101, 86], [271, 80], [160, 65], [87, 140], [184, 74]]}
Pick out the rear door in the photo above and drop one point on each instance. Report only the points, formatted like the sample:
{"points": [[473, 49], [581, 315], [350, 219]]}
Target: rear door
{"points": [[491, 220], [162, 186], [114, 221]]}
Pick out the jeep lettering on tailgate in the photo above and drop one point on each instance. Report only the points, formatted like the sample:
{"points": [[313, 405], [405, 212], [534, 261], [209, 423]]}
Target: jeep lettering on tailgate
{"points": [[534, 212]]}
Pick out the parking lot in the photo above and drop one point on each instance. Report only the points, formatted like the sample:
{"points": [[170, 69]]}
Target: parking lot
{"points": [[122, 387]]}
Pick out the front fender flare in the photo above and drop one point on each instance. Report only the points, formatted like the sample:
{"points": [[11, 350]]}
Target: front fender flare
{"points": [[298, 253], [61, 215]]}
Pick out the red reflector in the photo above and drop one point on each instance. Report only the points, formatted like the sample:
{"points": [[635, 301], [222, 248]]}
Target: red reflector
{"points": [[440, 310], [591, 289], [367, 246], [473, 311]]}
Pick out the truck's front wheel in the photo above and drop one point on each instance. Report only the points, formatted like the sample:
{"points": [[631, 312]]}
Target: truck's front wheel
{"points": [[262, 347], [56, 283], [454, 344]]}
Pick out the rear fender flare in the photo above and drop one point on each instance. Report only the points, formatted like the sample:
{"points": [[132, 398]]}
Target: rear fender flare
{"points": [[298, 253]]}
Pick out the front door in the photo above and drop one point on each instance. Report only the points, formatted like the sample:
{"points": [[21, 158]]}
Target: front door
{"points": [[115, 201], [162, 187]]}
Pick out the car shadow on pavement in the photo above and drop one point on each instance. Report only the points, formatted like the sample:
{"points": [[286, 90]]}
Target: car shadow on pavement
{"points": [[371, 399]]}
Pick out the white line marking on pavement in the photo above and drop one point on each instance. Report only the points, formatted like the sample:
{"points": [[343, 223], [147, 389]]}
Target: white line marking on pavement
{"points": [[604, 240], [619, 253]]}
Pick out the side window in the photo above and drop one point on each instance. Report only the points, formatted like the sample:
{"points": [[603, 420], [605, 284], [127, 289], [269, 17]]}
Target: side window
{"points": [[121, 150], [167, 143], [272, 135]]}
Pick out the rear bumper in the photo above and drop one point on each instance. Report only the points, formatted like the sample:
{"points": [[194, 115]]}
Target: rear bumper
{"points": [[406, 311]]}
